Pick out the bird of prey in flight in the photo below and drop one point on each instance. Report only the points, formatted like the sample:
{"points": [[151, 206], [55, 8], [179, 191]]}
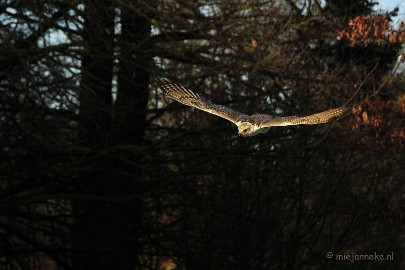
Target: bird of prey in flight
{"points": [[248, 125]]}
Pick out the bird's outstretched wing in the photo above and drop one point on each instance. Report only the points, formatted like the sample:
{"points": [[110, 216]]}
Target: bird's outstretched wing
{"points": [[313, 119], [189, 98]]}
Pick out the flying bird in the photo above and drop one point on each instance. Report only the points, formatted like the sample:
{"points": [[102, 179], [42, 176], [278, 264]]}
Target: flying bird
{"points": [[248, 125]]}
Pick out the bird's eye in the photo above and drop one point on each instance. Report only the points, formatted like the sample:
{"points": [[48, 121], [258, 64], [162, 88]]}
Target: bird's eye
{"points": [[245, 130]]}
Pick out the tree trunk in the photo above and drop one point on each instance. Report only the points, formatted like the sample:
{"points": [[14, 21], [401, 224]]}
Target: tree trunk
{"points": [[133, 77], [95, 221], [106, 232]]}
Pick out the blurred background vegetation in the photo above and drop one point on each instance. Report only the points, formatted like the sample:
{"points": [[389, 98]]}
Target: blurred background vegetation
{"points": [[98, 170]]}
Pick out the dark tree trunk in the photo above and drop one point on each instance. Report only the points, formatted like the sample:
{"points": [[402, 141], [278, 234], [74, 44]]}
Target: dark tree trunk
{"points": [[97, 72], [129, 128], [107, 231], [133, 78], [94, 220]]}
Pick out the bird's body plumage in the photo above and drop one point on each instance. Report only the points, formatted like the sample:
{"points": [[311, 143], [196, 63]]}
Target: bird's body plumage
{"points": [[248, 125]]}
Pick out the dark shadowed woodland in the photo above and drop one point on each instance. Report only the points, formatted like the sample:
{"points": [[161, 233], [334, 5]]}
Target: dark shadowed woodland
{"points": [[99, 170]]}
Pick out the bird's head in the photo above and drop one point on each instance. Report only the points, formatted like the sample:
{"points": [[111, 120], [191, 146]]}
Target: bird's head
{"points": [[246, 129]]}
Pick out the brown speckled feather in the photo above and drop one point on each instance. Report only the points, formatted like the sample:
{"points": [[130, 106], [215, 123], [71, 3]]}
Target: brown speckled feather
{"points": [[189, 98], [313, 119]]}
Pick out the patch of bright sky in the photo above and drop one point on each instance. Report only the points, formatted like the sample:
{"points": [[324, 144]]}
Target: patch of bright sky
{"points": [[386, 5]]}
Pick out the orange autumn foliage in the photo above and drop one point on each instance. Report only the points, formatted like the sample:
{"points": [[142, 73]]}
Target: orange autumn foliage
{"points": [[372, 30]]}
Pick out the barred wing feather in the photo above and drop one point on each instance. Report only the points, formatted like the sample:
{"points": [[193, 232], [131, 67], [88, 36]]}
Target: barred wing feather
{"points": [[189, 98]]}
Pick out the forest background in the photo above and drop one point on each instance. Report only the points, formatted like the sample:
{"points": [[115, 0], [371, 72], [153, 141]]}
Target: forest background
{"points": [[98, 170]]}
